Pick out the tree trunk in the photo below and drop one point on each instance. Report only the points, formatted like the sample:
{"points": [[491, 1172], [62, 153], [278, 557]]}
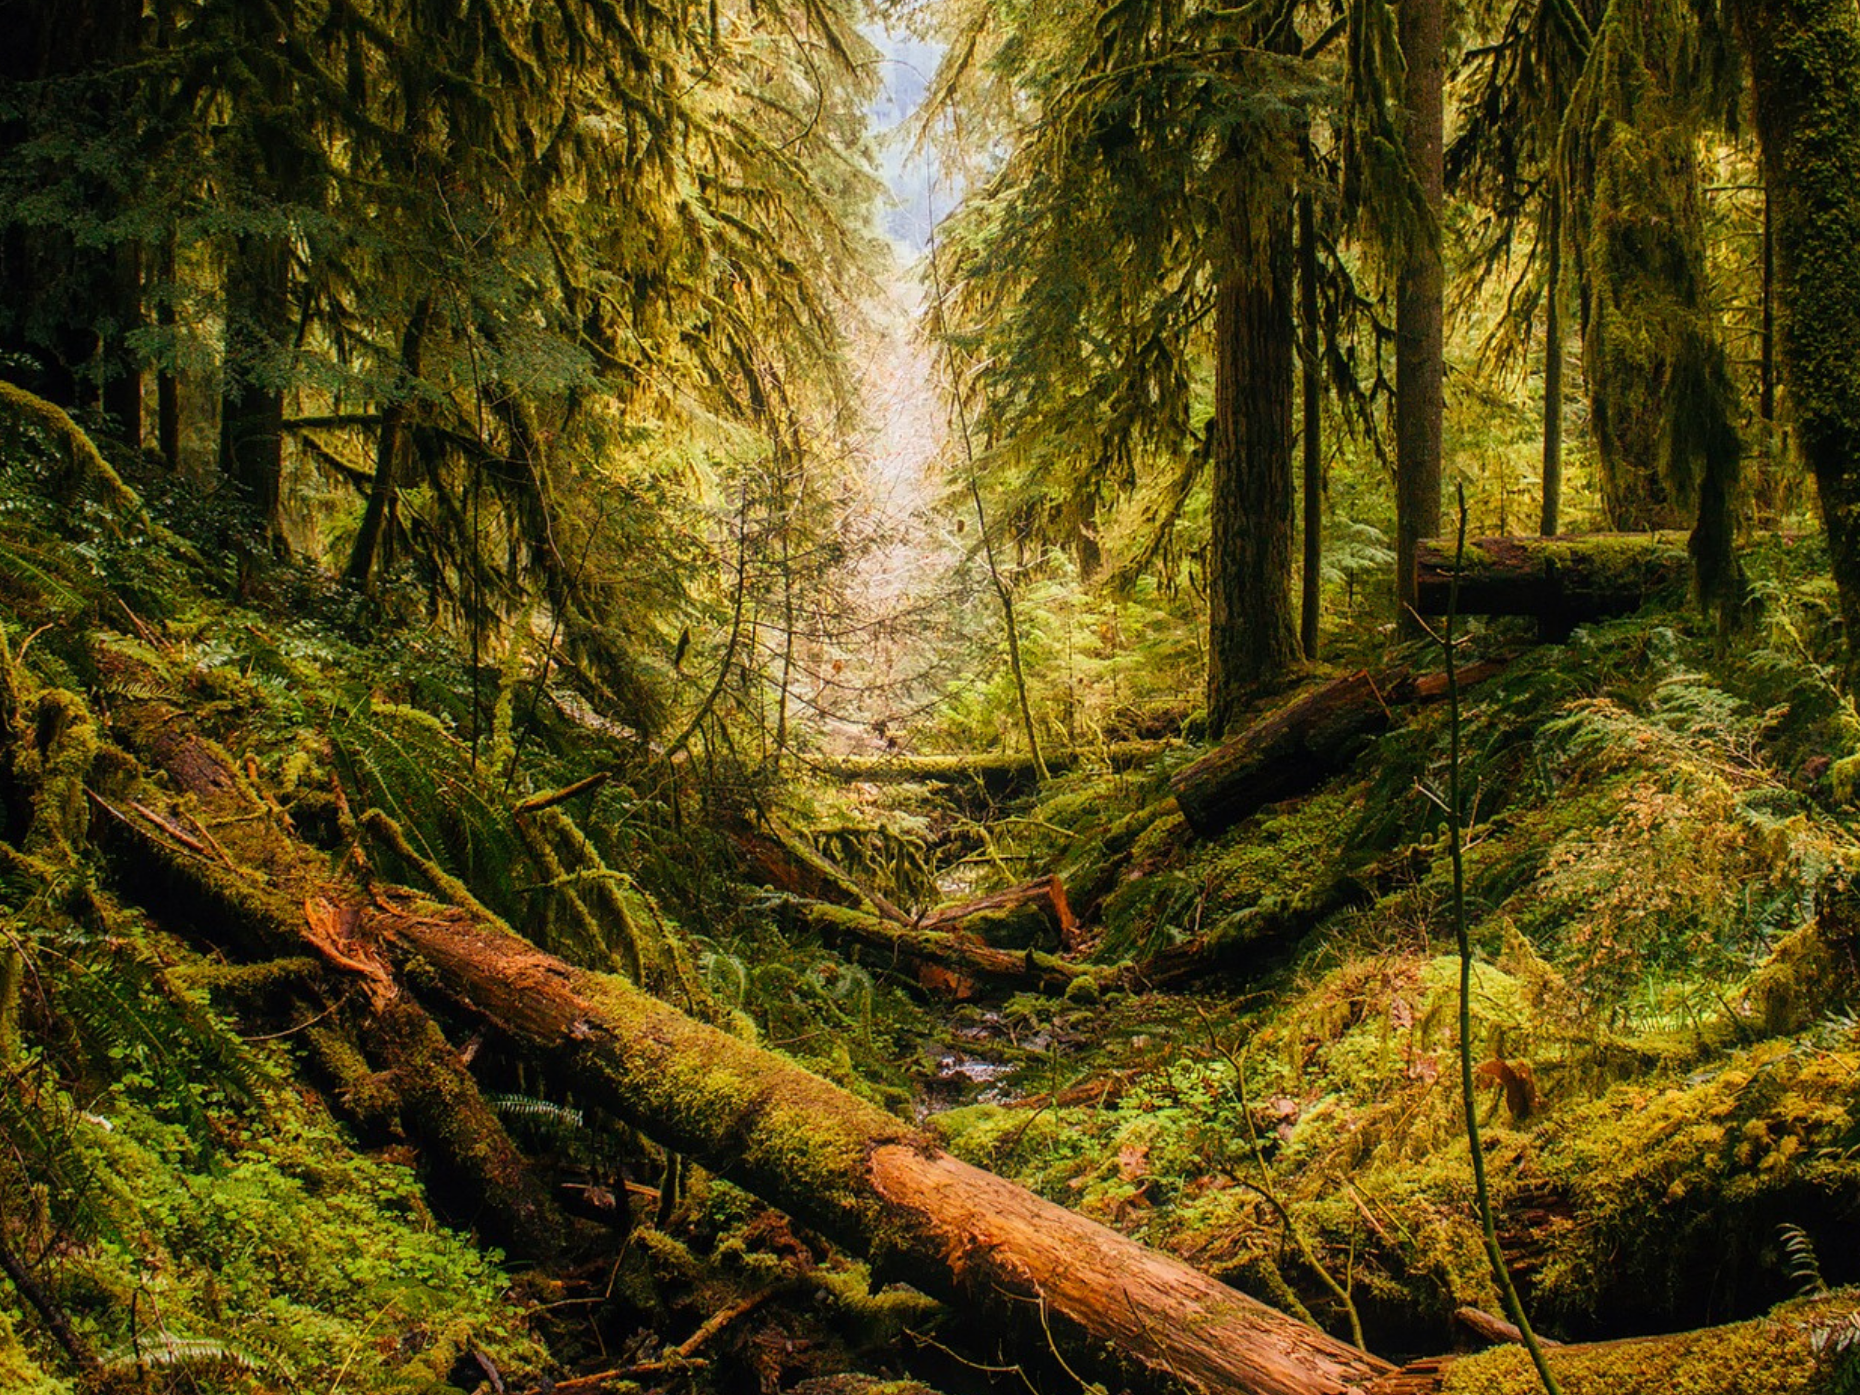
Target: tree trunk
{"points": [[1288, 752], [863, 1178], [372, 538], [1419, 298], [122, 372], [1805, 60], [1553, 372], [1021, 917], [1252, 633], [1312, 379], [948, 960], [260, 340], [1765, 1356]]}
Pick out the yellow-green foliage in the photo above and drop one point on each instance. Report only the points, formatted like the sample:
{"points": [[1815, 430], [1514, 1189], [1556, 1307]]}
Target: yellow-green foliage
{"points": [[296, 1257], [19, 1373], [1769, 1356]]}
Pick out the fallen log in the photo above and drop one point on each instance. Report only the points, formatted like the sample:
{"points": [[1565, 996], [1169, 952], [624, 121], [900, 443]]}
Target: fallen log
{"points": [[1300, 745], [1020, 917], [1562, 581], [1773, 1355], [860, 1176], [998, 772], [947, 960]]}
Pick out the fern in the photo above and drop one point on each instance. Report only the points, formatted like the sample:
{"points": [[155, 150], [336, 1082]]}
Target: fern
{"points": [[1804, 1266]]}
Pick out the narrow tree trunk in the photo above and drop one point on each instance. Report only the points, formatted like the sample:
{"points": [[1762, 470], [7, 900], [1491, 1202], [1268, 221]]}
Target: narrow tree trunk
{"points": [[371, 539], [1312, 388], [258, 303], [1805, 60], [1553, 373], [167, 378], [1419, 299], [122, 383], [1252, 634], [260, 339]]}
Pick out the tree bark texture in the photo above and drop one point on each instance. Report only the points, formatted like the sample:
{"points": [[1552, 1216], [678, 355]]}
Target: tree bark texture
{"points": [[1805, 62], [857, 1174], [1252, 631], [1419, 296]]}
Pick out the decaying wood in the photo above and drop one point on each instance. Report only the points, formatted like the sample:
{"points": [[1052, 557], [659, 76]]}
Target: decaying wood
{"points": [[1562, 581], [948, 961], [1296, 748], [857, 1174], [1494, 1329], [1283, 754], [997, 771], [1022, 916], [783, 860], [1765, 1356]]}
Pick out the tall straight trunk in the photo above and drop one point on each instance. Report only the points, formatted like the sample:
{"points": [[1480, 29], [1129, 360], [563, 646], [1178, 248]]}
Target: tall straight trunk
{"points": [[258, 314], [1805, 61], [1553, 375], [390, 445], [122, 374], [1312, 389], [167, 380], [1419, 298], [1766, 363], [1252, 633], [259, 329]]}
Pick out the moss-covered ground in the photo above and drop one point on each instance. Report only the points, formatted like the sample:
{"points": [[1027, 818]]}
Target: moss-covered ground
{"points": [[208, 1182]]}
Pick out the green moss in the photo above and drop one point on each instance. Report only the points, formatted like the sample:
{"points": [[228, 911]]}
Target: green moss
{"points": [[1769, 1356], [20, 1374]]}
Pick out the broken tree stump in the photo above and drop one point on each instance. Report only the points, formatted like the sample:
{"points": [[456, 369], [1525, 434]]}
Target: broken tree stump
{"points": [[1562, 582], [860, 1176]]}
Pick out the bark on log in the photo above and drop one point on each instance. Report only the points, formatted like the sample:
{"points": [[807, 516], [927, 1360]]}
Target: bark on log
{"points": [[1021, 917], [948, 960], [787, 863], [1562, 581], [858, 1175], [1285, 753], [1296, 748]]}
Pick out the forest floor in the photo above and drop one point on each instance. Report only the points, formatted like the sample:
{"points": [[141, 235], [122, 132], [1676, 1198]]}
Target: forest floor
{"points": [[215, 1177]]}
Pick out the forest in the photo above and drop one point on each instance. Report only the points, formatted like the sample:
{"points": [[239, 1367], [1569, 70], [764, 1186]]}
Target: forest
{"points": [[929, 697]]}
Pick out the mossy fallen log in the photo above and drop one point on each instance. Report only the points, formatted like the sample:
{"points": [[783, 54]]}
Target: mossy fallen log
{"points": [[945, 959], [997, 772], [1295, 748], [1562, 582], [1774, 1355], [857, 1174], [1018, 917]]}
